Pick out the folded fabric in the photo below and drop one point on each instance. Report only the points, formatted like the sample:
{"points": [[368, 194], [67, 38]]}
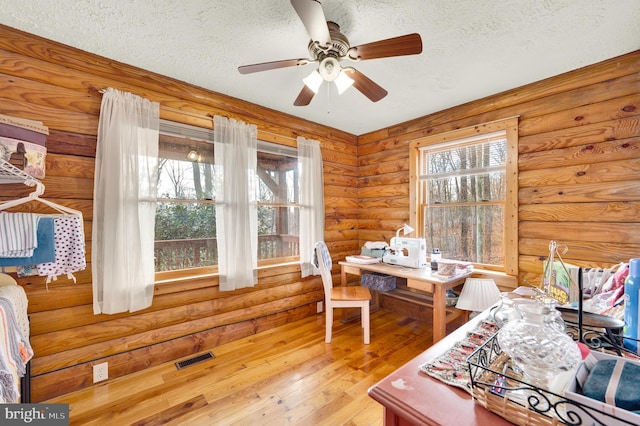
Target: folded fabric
{"points": [[19, 349], [616, 382], [9, 391], [9, 131], [373, 252], [18, 234], [44, 252], [18, 298], [372, 245], [68, 234]]}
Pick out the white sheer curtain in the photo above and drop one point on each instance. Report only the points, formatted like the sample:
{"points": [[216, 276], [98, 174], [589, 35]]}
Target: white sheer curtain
{"points": [[124, 203], [236, 160], [311, 202]]}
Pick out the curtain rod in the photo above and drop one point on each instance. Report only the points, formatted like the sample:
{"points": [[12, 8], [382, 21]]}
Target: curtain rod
{"points": [[195, 115], [210, 117]]}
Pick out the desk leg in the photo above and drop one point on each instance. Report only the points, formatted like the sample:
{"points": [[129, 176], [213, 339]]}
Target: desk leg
{"points": [[439, 313], [343, 276]]}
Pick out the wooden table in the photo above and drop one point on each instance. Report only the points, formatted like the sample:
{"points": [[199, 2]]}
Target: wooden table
{"points": [[421, 279], [410, 397]]}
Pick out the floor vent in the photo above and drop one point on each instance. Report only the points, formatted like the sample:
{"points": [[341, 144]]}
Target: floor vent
{"points": [[196, 359]]}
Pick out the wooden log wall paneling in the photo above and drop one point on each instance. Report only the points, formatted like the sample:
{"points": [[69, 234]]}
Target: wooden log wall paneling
{"points": [[579, 160], [58, 85], [579, 165]]}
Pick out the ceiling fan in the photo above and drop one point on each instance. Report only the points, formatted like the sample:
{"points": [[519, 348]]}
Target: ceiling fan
{"points": [[328, 47]]}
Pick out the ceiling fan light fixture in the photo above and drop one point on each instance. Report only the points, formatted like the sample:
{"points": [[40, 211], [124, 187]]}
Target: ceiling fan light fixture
{"points": [[313, 81], [343, 82]]}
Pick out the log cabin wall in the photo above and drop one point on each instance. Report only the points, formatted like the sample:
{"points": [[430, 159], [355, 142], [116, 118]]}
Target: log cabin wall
{"points": [[58, 85], [578, 165]]}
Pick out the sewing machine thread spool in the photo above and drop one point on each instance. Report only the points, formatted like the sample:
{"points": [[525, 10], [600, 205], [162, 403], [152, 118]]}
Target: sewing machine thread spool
{"points": [[435, 257]]}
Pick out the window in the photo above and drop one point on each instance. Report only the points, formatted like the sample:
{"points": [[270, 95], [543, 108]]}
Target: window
{"points": [[185, 216], [278, 203], [465, 194], [185, 213]]}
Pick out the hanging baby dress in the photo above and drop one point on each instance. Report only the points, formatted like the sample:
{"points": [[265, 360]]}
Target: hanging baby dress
{"points": [[69, 244]]}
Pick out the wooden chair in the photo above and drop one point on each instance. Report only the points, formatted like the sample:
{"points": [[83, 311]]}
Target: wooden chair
{"points": [[341, 296]]}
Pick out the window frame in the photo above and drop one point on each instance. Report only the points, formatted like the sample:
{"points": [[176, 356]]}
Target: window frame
{"points": [[200, 135], [510, 126]]}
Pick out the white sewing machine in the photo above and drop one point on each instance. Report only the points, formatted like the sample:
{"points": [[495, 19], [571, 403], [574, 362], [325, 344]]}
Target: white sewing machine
{"points": [[404, 251]]}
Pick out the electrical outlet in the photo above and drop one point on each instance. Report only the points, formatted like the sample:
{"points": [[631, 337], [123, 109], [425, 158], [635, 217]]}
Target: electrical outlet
{"points": [[100, 372], [319, 307]]}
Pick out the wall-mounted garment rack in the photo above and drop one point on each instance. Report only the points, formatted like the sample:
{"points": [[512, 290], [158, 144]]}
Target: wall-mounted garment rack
{"points": [[67, 230], [11, 174]]}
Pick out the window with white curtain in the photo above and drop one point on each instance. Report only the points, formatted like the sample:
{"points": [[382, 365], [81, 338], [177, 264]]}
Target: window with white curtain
{"points": [[186, 216]]}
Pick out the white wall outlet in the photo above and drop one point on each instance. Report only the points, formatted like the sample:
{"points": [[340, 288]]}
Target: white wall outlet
{"points": [[319, 307], [100, 372]]}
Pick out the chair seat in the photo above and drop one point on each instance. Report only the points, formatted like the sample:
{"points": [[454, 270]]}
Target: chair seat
{"points": [[350, 293]]}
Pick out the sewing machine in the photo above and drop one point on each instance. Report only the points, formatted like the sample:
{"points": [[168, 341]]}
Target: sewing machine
{"points": [[404, 251]]}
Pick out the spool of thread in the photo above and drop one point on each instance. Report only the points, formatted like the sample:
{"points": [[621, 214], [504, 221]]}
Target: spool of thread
{"points": [[435, 257], [631, 306]]}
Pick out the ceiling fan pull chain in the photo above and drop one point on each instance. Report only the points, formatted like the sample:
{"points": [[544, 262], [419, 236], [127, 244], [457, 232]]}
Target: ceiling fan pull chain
{"points": [[328, 98]]}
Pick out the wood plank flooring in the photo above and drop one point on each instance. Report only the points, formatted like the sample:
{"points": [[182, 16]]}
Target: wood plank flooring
{"points": [[286, 375]]}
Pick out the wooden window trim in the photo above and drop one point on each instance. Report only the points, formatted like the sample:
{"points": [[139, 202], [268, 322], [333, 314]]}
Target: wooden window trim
{"points": [[510, 126]]}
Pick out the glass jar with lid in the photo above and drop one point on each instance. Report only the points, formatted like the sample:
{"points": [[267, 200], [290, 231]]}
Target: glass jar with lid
{"points": [[537, 342]]}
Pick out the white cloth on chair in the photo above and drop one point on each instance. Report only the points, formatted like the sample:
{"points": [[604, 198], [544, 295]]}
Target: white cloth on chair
{"points": [[326, 257]]}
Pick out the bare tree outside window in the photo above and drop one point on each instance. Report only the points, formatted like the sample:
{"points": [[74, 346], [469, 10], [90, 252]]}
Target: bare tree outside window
{"points": [[464, 190]]}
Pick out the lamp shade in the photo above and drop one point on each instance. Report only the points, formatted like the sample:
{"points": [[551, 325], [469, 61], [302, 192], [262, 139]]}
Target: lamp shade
{"points": [[343, 82], [478, 294], [313, 81]]}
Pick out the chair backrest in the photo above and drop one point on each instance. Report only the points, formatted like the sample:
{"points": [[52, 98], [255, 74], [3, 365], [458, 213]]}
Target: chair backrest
{"points": [[324, 264]]}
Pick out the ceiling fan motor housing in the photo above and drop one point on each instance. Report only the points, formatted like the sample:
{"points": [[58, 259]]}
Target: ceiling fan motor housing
{"points": [[330, 57]]}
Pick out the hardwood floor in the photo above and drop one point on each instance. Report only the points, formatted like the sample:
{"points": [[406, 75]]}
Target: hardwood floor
{"points": [[286, 375]]}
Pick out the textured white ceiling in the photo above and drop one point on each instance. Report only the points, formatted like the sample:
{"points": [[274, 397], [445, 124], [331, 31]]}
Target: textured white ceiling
{"points": [[472, 48]]}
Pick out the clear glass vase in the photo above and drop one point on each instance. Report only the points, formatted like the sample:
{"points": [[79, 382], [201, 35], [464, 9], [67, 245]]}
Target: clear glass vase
{"points": [[507, 310], [537, 342]]}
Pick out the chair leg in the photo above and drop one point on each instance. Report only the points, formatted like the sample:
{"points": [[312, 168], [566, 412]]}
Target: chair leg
{"points": [[365, 322], [329, 323]]}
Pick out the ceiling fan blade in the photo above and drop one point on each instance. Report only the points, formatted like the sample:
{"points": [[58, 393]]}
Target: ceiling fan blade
{"points": [[312, 16], [365, 85], [410, 44], [304, 97], [265, 66]]}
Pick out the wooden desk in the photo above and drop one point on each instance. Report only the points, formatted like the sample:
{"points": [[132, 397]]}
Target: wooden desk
{"points": [[420, 279], [426, 400]]}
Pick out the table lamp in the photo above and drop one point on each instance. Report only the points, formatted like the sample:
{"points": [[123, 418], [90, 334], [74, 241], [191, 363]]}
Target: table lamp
{"points": [[406, 229], [478, 294]]}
